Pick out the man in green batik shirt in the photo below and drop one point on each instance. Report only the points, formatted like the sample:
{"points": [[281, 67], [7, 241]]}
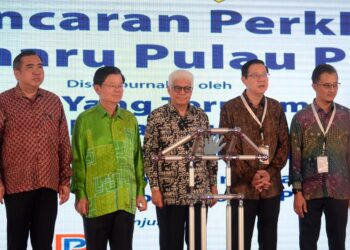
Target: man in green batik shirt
{"points": [[108, 176]]}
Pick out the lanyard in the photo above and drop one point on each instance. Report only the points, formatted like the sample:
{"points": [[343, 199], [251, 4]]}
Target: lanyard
{"points": [[320, 124], [254, 116]]}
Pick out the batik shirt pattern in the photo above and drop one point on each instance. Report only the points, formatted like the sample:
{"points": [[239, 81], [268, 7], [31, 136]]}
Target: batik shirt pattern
{"points": [[107, 161], [164, 128], [275, 130], [34, 142], [307, 144]]}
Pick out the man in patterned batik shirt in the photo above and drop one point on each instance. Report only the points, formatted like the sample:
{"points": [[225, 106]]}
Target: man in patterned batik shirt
{"points": [[169, 181], [35, 156], [108, 177], [320, 163], [262, 119]]}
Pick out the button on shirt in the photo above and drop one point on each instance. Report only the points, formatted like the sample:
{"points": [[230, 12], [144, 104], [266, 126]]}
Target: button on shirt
{"points": [[34, 139], [307, 143], [107, 161]]}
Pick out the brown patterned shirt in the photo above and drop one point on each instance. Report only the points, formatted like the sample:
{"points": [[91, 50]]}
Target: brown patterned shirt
{"points": [[165, 127], [275, 130], [34, 142]]}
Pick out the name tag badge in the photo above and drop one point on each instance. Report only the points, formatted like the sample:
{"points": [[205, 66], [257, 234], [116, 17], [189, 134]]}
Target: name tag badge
{"points": [[322, 164], [264, 149]]}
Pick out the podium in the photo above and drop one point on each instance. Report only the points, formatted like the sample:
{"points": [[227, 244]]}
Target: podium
{"points": [[212, 154]]}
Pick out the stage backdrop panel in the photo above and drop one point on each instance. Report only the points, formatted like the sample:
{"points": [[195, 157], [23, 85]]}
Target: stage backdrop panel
{"points": [[148, 40]]}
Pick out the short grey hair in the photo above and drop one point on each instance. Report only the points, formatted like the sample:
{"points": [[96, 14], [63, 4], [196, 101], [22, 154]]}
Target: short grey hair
{"points": [[180, 74]]}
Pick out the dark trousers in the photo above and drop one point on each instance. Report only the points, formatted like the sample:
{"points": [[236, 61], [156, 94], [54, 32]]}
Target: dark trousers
{"points": [[116, 227], [336, 217], [267, 211], [173, 222], [31, 212]]}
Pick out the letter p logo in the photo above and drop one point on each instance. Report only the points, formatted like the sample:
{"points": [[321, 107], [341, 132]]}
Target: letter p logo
{"points": [[70, 242]]}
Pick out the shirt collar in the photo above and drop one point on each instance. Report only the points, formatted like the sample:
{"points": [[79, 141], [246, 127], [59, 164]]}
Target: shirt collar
{"points": [[190, 109], [102, 112], [261, 103], [19, 92], [319, 109]]}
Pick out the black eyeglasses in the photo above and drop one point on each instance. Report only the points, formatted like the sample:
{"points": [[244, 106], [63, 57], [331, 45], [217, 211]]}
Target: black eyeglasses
{"points": [[186, 89]]}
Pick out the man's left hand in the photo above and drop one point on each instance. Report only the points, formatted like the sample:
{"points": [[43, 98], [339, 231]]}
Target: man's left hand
{"points": [[63, 193], [2, 193], [141, 203]]}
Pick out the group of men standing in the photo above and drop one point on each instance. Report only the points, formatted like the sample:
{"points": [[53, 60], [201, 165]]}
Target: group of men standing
{"points": [[109, 167]]}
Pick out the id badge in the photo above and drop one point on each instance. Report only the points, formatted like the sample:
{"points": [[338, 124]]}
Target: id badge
{"points": [[264, 149], [322, 164]]}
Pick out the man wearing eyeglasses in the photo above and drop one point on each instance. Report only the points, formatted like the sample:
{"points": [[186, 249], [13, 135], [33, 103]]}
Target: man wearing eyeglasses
{"points": [[108, 175], [262, 119], [169, 181], [320, 163]]}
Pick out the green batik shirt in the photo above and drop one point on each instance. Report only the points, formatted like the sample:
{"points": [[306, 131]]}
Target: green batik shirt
{"points": [[107, 161]]}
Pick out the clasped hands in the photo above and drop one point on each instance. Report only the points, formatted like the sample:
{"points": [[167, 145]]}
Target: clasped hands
{"points": [[261, 180]]}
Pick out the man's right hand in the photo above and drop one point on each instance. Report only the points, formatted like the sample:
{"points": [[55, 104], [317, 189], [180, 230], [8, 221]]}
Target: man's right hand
{"points": [[300, 207], [2, 193], [82, 206], [157, 198]]}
